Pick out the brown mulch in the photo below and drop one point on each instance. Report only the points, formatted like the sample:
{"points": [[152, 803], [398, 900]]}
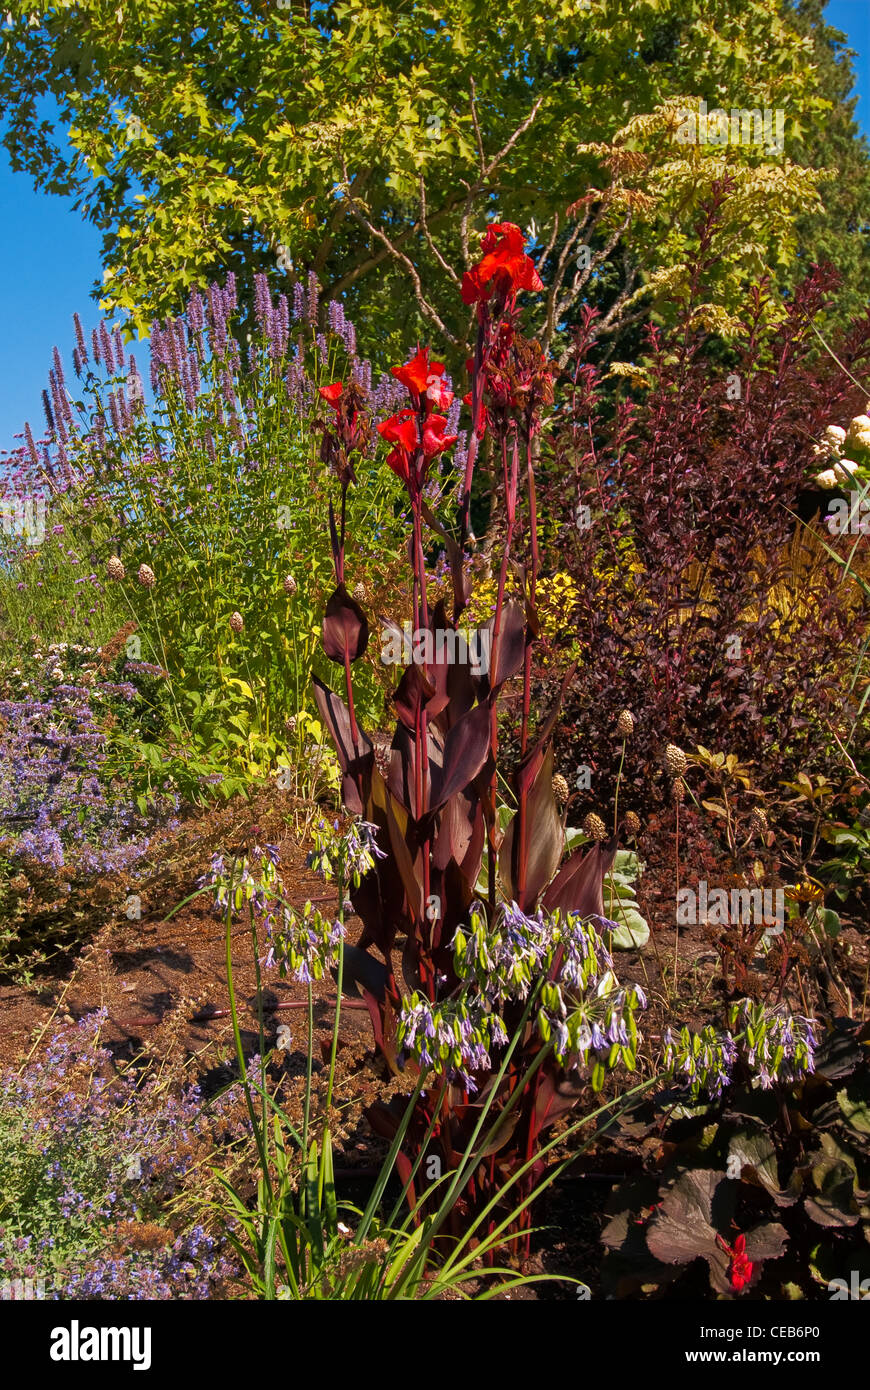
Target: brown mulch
{"points": [[143, 971]]}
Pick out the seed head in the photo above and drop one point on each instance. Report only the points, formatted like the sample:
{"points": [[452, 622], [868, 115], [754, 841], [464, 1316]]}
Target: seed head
{"points": [[625, 724], [631, 823], [145, 575], [678, 790], [290, 724], [594, 827], [757, 822], [560, 789], [360, 593], [675, 760], [237, 622], [114, 568], [290, 585]]}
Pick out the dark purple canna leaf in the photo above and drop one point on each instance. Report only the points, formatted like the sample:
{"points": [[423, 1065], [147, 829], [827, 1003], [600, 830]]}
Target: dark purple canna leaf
{"points": [[362, 969], [384, 810], [356, 760], [455, 830], [530, 852], [465, 750], [579, 884], [345, 627], [510, 650], [555, 1095], [412, 691]]}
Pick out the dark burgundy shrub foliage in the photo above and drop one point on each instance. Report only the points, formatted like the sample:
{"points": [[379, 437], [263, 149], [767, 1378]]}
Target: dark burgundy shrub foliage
{"points": [[695, 613]]}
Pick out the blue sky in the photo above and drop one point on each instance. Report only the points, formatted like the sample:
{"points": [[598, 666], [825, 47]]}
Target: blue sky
{"points": [[50, 261]]}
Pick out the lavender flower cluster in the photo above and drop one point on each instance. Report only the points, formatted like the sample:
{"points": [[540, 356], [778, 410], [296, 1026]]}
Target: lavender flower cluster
{"points": [[87, 1154], [777, 1046], [180, 351], [348, 855], [455, 1037], [253, 879], [197, 361], [582, 1007], [305, 944], [704, 1060], [302, 943]]}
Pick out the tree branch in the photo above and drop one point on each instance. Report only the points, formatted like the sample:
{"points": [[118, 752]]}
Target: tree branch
{"points": [[426, 309], [445, 266]]}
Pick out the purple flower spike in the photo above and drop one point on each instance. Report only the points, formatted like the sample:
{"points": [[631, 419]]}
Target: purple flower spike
{"points": [[106, 346], [80, 338]]}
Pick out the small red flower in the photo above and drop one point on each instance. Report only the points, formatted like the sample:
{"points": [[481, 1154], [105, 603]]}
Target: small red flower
{"points": [[505, 267], [740, 1269], [351, 430]]}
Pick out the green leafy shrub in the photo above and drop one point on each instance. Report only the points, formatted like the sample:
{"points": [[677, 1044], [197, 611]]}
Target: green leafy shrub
{"points": [[195, 518]]}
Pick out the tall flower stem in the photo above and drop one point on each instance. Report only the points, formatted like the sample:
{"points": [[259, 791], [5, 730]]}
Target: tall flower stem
{"points": [[532, 592], [259, 1137], [421, 721], [618, 784], [306, 1114], [340, 879], [677, 927], [477, 379]]}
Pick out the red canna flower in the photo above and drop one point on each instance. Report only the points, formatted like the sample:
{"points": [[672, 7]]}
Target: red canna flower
{"points": [[435, 441], [740, 1271], [332, 394], [482, 415], [505, 267], [423, 378], [402, 431]]}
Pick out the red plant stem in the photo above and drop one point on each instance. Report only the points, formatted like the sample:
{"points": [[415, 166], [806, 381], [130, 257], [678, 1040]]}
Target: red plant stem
{"points": [[476, 405], [421, 734], [511, 509], [339, 579], [533, 594], [354, 732], [677, 928], [522, 818]]}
